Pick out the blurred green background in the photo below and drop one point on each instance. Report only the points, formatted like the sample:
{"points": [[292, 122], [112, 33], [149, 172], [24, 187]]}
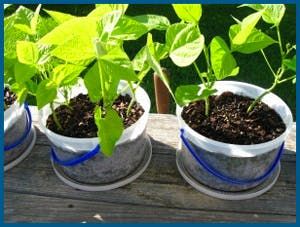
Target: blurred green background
{"points": [[216, 20]]}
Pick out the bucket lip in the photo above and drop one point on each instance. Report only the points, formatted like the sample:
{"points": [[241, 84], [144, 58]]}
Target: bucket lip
{"points": [[252, 147], [95, 139]]}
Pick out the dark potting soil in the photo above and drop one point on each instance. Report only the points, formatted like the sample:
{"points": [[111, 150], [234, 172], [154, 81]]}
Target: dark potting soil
{"points": [[77, 119], [9, 98], [229, 122]]}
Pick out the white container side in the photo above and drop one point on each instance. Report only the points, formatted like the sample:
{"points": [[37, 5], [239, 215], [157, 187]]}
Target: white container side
{"points": [[86, 144], [235, 150], [12, 114]]}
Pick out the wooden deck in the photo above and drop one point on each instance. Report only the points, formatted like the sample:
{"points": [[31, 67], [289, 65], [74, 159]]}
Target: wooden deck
{"points": [[33, 193]]}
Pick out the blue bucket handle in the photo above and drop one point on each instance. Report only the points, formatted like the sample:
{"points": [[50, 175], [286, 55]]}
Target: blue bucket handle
{"points": [[222, 177], [26, 132], [76, 160]]}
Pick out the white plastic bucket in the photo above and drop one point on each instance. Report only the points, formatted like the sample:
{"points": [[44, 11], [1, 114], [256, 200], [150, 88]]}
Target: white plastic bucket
{"points": [[234, 150], [86, 144], [12, 114], [224, 166]]}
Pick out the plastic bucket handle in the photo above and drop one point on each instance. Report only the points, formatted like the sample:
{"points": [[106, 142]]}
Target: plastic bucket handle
{"points": [[26, 132], [76, 160], [222, 177]]}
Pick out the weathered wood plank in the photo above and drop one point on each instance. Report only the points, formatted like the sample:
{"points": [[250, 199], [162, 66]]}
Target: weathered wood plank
{"points": [[32, 208], [161, 186]]}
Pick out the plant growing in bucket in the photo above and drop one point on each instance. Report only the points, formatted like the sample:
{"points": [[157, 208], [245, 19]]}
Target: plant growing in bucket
{"points": [[232, 133], [100, 142], [19, 67]]}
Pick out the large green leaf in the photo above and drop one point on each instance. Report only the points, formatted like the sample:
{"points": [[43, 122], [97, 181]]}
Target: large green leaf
{"points": [[108, 24], [65, 74], [291, 63], [256, 41], [23, 19], [81, 28], [110, 128], [59, 17], [128, 29], [27, 52], [185, 43], [46, 93], [153, 21], [11, 36], [102, 9], [93, 84], [117, 64], [247, 26], [189, 93], [272, 13], [23, 72], [223, 63], [188, 12]]}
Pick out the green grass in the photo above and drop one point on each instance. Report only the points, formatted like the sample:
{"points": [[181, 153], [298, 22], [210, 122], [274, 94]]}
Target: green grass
{"points": [[216, 20]]}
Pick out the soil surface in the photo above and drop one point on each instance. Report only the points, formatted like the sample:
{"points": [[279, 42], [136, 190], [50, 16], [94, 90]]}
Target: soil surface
{"points": [[9, 98], [229, 122], [77, 119]]}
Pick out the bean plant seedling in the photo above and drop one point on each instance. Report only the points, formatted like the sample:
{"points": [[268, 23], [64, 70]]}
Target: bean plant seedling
{"points": [[184, 43], [271, 14], [96, 41]]}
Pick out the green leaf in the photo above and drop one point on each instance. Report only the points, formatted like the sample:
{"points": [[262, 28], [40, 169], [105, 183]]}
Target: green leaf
{"points": [[116, 63], [34, 20], [272, 13], [46, 93], [256, 41], [223, 63], [24, 72], [154, 63], [65, 74], [140, 58], [93, 84], [59, 17], [102, 9], [27, 52], [107, 25], [75, 51], [23, 19], [6, 6], [189, 93], [21, 91], [185, 43], [81, 28], [294, 81], [11, 36], [290, 63], [110, 128], [247, 25], [153, 21], [188, 12], [128, 29]]}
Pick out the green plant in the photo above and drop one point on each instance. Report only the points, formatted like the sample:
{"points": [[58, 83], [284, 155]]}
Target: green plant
{"points": [[184, 44], [271, 14], [96, 41]]}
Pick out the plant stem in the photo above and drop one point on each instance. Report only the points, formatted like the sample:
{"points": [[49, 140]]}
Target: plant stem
{"points": [[268, 63], [258, 99], [207, 106], [209, 68], [287, 79], [132, 99], [199, 74], [56, 121], [279, 41]]}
